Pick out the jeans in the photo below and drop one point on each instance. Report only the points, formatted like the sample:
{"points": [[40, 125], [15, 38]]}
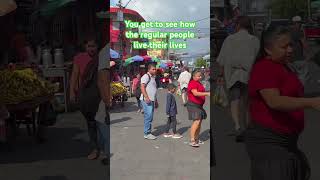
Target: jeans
{"points": [[103, 137], [92, 129], [139, 102], [148, 116]]}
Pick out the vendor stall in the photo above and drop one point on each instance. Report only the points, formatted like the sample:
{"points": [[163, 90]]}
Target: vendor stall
{"points": [[26, 97]]}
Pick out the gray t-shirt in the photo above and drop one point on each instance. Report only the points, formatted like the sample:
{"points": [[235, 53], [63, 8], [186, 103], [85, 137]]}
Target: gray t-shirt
{"points": [[151, 87], [104, 58]]}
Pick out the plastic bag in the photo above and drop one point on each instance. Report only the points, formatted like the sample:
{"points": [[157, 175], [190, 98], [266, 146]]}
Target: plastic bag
{"points": [[220, 97]]}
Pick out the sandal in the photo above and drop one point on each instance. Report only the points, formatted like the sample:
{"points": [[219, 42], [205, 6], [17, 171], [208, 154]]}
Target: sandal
{"points": [[194, 144], [94, 155], [200, 142]]}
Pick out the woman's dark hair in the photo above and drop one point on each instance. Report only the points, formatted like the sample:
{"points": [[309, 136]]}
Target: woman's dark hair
{"points": [[267, 38], [86, 41], [194, 72]]}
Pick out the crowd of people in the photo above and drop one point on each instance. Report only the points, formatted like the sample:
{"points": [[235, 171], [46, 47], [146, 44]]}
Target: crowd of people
{"points": [[267, 76]]}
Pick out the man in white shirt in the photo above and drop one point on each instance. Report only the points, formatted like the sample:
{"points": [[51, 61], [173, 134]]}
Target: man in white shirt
{"points": [[149, 100], [183, 80], [102, 116], [237, 55]]}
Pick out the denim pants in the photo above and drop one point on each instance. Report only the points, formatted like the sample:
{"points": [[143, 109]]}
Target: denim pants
{"points": [[148, 116], [103, 137]]}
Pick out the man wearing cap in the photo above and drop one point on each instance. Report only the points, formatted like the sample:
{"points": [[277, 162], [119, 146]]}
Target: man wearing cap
{"points": [[299, 45]]}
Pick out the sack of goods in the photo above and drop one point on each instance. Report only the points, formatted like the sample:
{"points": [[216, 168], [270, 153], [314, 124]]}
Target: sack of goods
{"points": [[22, 85], [220, 97], [117, 88]]}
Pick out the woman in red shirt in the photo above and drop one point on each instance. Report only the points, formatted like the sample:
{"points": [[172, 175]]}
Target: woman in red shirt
{"points": [[277, 112], [196, 99]]}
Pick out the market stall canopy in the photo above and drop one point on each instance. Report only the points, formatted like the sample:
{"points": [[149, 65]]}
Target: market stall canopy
{"points": [[52, 6], [146, 58], [163, 65], [114, 54], [206, 57], [7, 6], [137, 58]]}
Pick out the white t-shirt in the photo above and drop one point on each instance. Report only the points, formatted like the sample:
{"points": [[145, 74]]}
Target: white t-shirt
{"points": [[151, 87], [184, 79]]}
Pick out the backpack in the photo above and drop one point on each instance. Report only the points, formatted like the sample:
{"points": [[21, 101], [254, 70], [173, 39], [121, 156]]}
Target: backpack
{"points": [[138, 89], [89, 95]]}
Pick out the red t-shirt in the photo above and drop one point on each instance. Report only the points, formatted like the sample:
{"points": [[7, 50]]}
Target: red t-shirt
{"points": [[196, 99], [266, 75]]}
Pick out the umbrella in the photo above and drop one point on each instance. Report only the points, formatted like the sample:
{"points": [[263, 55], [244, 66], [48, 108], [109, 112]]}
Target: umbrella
{"points": [[169, 64], [162, 65], [137, 58], [156, 60], [114, 54], [146, 58]]}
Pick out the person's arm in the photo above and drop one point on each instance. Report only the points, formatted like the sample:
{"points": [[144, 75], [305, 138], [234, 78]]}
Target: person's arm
{"points": [[195, 92], [74, 81], [284, 103], [144, 92], [103, 85], [168, 104]]}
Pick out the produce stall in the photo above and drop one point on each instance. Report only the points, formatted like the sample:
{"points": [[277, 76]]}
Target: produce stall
{"points": [[26, 97], [119, 93]]}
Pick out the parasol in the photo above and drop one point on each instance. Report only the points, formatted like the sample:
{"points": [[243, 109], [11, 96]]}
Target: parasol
{"points": [[114, 54]]}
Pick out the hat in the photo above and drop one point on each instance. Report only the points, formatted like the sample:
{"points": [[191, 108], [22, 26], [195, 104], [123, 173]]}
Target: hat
{"points": [[296, 19]]}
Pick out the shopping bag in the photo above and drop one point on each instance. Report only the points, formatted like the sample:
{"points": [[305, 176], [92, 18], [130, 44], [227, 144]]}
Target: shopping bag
{"points": [[220, 96]]}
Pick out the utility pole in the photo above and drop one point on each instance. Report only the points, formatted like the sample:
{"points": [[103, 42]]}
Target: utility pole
{"points": [[121, 28]]}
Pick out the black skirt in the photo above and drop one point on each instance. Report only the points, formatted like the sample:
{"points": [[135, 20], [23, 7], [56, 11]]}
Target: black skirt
{"points": [[275, 156], [196, 111]]}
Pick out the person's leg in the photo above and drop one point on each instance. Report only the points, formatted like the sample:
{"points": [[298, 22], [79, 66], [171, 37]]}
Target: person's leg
{"points": [[147, 108], [168, 125], [184, 96], [235, 105], [193, 130], [198, 131], [174, 124], [93, 135]]}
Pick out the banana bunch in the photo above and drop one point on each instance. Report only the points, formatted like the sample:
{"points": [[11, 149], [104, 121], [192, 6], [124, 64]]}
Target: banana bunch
{"points": [[22, 85], [117, 88]]}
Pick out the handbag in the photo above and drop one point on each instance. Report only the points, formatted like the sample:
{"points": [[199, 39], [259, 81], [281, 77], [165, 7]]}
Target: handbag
{"points": [[220, 96]]}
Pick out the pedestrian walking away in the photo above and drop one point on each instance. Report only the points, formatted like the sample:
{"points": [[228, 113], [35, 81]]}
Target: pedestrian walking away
{"points": [[277, 112], [171, 111], [183, 80], [148, 100], [236, 57], [196, 99]]}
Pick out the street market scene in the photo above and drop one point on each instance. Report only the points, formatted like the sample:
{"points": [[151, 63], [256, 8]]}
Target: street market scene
{"points": [[157, 130], [276, 139], [45, 47]]}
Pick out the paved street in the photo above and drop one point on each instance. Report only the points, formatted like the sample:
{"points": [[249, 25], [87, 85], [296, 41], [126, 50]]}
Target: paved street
{"points": [[134, 158], [62, 157]]}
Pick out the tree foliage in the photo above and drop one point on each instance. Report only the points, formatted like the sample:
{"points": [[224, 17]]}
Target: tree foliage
{"points": [[200, 62]]}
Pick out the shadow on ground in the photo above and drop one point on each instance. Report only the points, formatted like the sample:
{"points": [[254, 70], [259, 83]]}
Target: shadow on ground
{"points": [[120, 120], [62, 143], [128, 107]]}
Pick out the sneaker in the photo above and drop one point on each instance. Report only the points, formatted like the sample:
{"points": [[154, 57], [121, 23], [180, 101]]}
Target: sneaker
{"points": [[200, 142], [177, 136], [150, 137], [139, 111], [166, 135]]}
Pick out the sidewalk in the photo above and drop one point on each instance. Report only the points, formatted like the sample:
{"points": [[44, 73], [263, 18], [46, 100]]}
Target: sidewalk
{"points": [[134, 158]]}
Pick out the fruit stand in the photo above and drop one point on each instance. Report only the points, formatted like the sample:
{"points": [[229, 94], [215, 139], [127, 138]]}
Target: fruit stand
{"points": [[118, 92], [26, 97]]}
